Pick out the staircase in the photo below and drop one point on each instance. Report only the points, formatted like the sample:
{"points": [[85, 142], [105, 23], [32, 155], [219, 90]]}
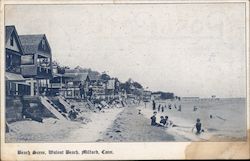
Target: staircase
{"points": [[49, 105], [64, 103], [91, 105]]}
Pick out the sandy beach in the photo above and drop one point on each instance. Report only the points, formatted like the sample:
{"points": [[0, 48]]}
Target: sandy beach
{"points": [[54, 130], [228, 123], [129, 126]]}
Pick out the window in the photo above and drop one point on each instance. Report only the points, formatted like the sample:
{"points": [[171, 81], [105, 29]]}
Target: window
{"points": [[27, 59], [12, 40], [43, 45]]}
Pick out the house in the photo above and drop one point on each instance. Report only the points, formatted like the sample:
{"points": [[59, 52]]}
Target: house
{"points": [[110, 88], [94, 78], [15, 83], [36, 63], [72, 83], [156, 96], [146, 96]]}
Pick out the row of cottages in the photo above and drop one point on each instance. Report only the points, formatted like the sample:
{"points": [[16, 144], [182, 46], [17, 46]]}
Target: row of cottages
{"points": [[28, 63], [68, 84], [29, 71]]}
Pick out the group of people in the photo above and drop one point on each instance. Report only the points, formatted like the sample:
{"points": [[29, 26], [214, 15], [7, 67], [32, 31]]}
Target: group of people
{"points": [[165, 122], [88, 94], [161, 107]]}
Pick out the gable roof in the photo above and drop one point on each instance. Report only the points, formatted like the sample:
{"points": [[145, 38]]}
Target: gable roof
{"points": [[93, 77], [77, 76], [31, 43], [8, 31], [81, 77]]}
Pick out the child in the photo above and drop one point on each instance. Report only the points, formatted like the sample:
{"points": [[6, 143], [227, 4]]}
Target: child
{"points": [[163, 121], [166, 118], [198, 126]]}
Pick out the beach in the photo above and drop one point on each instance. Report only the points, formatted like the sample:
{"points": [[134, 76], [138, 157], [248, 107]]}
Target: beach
{"points": [[228, 123]]}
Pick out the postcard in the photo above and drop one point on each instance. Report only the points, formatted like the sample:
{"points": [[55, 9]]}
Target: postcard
{"points": [[122, 80]]}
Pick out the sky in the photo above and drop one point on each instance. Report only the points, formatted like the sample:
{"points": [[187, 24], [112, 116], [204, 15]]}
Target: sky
{"points": [[188, 49]]}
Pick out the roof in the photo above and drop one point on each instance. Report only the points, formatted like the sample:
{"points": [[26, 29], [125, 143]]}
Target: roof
{"points": [[31, 43], [13, 77], [8, 32], [81, 77], [72, 75], [77, 76], [93, 77]]}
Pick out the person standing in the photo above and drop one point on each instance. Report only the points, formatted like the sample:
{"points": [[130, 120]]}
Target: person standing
{"points": [[153, 119], [159, 107], [198, 126], [90, 93], [81, 91], [153, 105]]}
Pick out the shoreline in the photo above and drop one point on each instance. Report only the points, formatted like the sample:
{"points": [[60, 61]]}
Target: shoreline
{"points": [[135, 128]]}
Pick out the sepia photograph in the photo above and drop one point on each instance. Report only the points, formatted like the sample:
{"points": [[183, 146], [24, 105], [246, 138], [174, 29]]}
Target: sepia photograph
{"points": [[124, 73]]}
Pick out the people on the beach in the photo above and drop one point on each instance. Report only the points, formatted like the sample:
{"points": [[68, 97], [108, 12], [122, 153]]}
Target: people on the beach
{"points": [[153, 119], [153, 105], [159, 107], [169, 106], [81, 91], [72, 113], [179, 108], [90, 93], [162, 121], [162, 108], [198, 126], [166, 118], [195, 108]]}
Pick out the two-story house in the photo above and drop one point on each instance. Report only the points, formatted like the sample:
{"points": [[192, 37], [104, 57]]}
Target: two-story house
{"points": [[15, 82], [36, 63]]}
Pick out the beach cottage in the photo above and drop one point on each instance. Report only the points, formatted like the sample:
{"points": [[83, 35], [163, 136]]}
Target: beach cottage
{"points": [[73, 81], [36, 63], [15, 83]]}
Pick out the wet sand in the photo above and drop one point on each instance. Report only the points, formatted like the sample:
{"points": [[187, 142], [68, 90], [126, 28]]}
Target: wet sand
{"points": [[131, 127]]}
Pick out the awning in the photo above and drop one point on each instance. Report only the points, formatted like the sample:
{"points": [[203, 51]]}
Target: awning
{"points": [[23, 83], [13, 77]]}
